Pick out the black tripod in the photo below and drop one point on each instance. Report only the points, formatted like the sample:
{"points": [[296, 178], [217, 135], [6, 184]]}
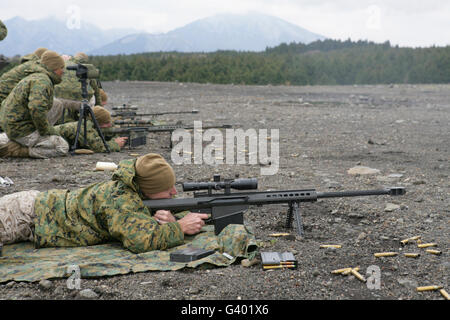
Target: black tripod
{"points": [[86, 110]]}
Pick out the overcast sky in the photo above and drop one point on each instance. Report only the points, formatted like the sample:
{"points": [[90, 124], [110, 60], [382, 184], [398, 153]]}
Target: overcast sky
{"points": [[404, 22]]}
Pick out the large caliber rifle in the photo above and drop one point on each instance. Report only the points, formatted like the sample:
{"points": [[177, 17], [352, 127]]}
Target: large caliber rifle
{"points": [[136, 131], [228, 208], [131, 113]]}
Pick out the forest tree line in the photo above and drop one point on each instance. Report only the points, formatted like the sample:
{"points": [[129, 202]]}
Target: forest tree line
{"points": [[327, 62]]}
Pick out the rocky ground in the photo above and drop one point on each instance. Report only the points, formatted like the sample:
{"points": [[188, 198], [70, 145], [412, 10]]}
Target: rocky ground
{"points": [[402, 131]]}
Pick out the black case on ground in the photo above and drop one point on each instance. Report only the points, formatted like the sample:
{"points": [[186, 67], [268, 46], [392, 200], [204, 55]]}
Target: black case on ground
{"points": [[189, 254]]}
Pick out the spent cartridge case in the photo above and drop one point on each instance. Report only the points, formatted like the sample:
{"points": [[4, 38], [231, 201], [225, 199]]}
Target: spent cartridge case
{"points": [[276, 235], [404, 242], [336, 246], [358, 275], [445, 294], [385, 254], [340, 271], [436, 252], [428, 288], [346, 273], [427, 245], [412, 255]]}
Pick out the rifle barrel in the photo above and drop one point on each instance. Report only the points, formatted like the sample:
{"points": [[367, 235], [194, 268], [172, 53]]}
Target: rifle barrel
{"points": [[394, 191], [131, 113], [164, 113]]}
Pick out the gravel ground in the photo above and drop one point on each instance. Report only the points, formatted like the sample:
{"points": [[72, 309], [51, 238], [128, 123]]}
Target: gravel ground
{"points": [[400, 130]]}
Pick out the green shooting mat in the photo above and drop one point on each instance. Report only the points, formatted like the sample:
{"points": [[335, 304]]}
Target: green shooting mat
{"points": [[22, 262]]}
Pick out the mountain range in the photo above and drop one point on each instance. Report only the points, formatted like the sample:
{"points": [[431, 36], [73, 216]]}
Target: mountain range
{"points": [[249, 32]]}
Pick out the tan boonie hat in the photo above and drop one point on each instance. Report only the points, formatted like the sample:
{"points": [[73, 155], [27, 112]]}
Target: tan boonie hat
{"points": [[102, 115], [154, 174], [81, 57], [40, 51], [52, 60], [103, 95]]}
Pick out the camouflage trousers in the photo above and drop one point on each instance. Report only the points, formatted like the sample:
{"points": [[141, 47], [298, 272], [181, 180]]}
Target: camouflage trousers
{"points": [[43, 147], [17, 217], [3, 139]]}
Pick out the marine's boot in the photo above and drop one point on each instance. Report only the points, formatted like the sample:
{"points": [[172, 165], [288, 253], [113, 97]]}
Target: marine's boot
{"points": [[14, 150]]}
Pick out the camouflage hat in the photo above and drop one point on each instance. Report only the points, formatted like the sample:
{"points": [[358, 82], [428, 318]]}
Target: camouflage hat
{"points": [[154, 174], [52, 60], [40, 51], [102, 115], [81, 57], [103, 95]]}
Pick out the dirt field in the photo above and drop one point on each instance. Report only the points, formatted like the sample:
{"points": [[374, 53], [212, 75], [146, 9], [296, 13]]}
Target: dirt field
{"points": [[401, 130]]}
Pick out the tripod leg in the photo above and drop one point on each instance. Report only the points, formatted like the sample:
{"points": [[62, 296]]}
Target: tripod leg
{"points": [[77, 135], [85, 132]]}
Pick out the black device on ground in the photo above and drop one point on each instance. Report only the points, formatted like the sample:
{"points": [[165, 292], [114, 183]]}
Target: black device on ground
{"points": [[84, 72], [190, 254], [228, 207]]}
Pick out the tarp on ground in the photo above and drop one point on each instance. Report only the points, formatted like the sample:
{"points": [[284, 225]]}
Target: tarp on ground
{"points": [[22, 262]]}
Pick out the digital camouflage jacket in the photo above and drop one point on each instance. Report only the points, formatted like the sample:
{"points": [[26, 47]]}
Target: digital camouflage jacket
{"points": [[10, 79], [25, 109], [100, 213], [69, 130]]}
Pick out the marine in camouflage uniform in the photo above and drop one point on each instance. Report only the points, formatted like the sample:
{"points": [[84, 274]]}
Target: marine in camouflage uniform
{"points": [[3, 31], [93, 140], [104, 212], [11, 78], [35, 56], [70, 88], [23, 116]]}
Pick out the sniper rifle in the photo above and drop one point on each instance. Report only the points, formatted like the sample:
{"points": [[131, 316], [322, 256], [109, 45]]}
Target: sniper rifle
{"points": [[137, 136], [228, 208], [130, 112]]}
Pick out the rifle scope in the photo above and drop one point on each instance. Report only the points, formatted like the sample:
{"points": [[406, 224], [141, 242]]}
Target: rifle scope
{"points": [[237, 184]]}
